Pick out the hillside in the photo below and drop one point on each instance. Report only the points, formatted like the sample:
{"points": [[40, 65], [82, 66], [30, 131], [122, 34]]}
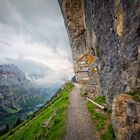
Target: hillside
{"points": [[48, 123], [19, 98]]}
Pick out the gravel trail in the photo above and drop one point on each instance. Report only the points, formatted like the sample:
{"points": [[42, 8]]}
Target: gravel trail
{"points": [[79, 124]]}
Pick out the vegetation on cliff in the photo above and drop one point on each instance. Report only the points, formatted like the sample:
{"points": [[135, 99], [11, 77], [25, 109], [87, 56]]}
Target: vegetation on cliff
{"points": [[48, 123], [135, 94]]}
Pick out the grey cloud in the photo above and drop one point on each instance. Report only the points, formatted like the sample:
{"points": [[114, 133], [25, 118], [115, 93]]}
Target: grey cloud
{"points": [[42, 18], [35, 22], [39, 18], [30, 66]]}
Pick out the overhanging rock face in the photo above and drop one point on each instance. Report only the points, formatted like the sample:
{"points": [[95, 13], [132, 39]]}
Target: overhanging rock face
{"points": [[112, 29], [74, 18]]}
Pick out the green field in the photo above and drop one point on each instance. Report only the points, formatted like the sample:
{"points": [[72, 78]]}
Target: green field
{"points": [[36, 128]]}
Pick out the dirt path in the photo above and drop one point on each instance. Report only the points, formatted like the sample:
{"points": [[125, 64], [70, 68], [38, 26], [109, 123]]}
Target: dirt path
{"points": [[79, 124]]}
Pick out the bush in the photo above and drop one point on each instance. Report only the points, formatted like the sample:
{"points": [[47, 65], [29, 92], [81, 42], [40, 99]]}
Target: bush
{"points": [[135, 94]]}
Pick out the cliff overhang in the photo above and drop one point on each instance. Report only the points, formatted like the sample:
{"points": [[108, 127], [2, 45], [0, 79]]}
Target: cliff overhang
{"points": [[109, 31]]}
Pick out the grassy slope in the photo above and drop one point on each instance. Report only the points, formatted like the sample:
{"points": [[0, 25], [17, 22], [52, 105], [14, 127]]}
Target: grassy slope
{"points": [[101, 120], [33, 129]]}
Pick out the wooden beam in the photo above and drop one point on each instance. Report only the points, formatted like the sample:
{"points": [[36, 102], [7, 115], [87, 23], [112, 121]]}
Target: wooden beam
{"points": [[100, 106], [83, 65], [84, 71], [82, 56]]}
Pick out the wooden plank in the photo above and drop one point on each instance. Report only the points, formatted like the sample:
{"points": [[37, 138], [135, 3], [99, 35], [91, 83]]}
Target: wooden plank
{"points": [[100, 106], [84, 71], [82, 56]]}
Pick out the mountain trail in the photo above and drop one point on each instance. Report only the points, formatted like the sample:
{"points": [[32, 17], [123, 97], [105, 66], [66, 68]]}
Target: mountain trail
{"points": [[79, 124]]}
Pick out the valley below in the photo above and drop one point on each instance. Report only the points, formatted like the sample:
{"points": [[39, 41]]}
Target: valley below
{"points": [[19, 97]]}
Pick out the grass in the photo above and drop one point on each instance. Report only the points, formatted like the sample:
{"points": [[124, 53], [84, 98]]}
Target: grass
{"points": [[8, 109], [135, 94], [101, 120], [108, 134], [32, 129], [98, 118], [100, 100]]}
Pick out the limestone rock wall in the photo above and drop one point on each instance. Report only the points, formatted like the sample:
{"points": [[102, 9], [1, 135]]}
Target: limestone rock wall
{"points": [[113, 24], [112, 28], [126, 117], [93, 88], [73, 16]]}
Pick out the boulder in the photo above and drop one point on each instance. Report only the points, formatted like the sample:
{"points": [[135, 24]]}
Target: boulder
{"points": [[126, 117]]}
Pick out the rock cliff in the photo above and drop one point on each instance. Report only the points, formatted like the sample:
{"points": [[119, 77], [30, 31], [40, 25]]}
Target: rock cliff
{"points": [[112, 29], [126, 118]]}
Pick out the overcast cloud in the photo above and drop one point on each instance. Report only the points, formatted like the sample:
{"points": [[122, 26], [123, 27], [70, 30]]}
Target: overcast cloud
{"points": [[33, 37]]}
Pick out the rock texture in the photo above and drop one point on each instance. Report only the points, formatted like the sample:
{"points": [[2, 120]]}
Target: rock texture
{"points": [[13, 84], [11, 75], [126, 118], [73, 15], [92, 88], [112, 29]]}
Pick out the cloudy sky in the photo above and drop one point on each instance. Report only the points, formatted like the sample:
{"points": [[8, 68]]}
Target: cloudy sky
{"points": [[33, 37]]}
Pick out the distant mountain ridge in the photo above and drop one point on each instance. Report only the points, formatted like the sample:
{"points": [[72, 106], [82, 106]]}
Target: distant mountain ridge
{"points": [[11, 75]]}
